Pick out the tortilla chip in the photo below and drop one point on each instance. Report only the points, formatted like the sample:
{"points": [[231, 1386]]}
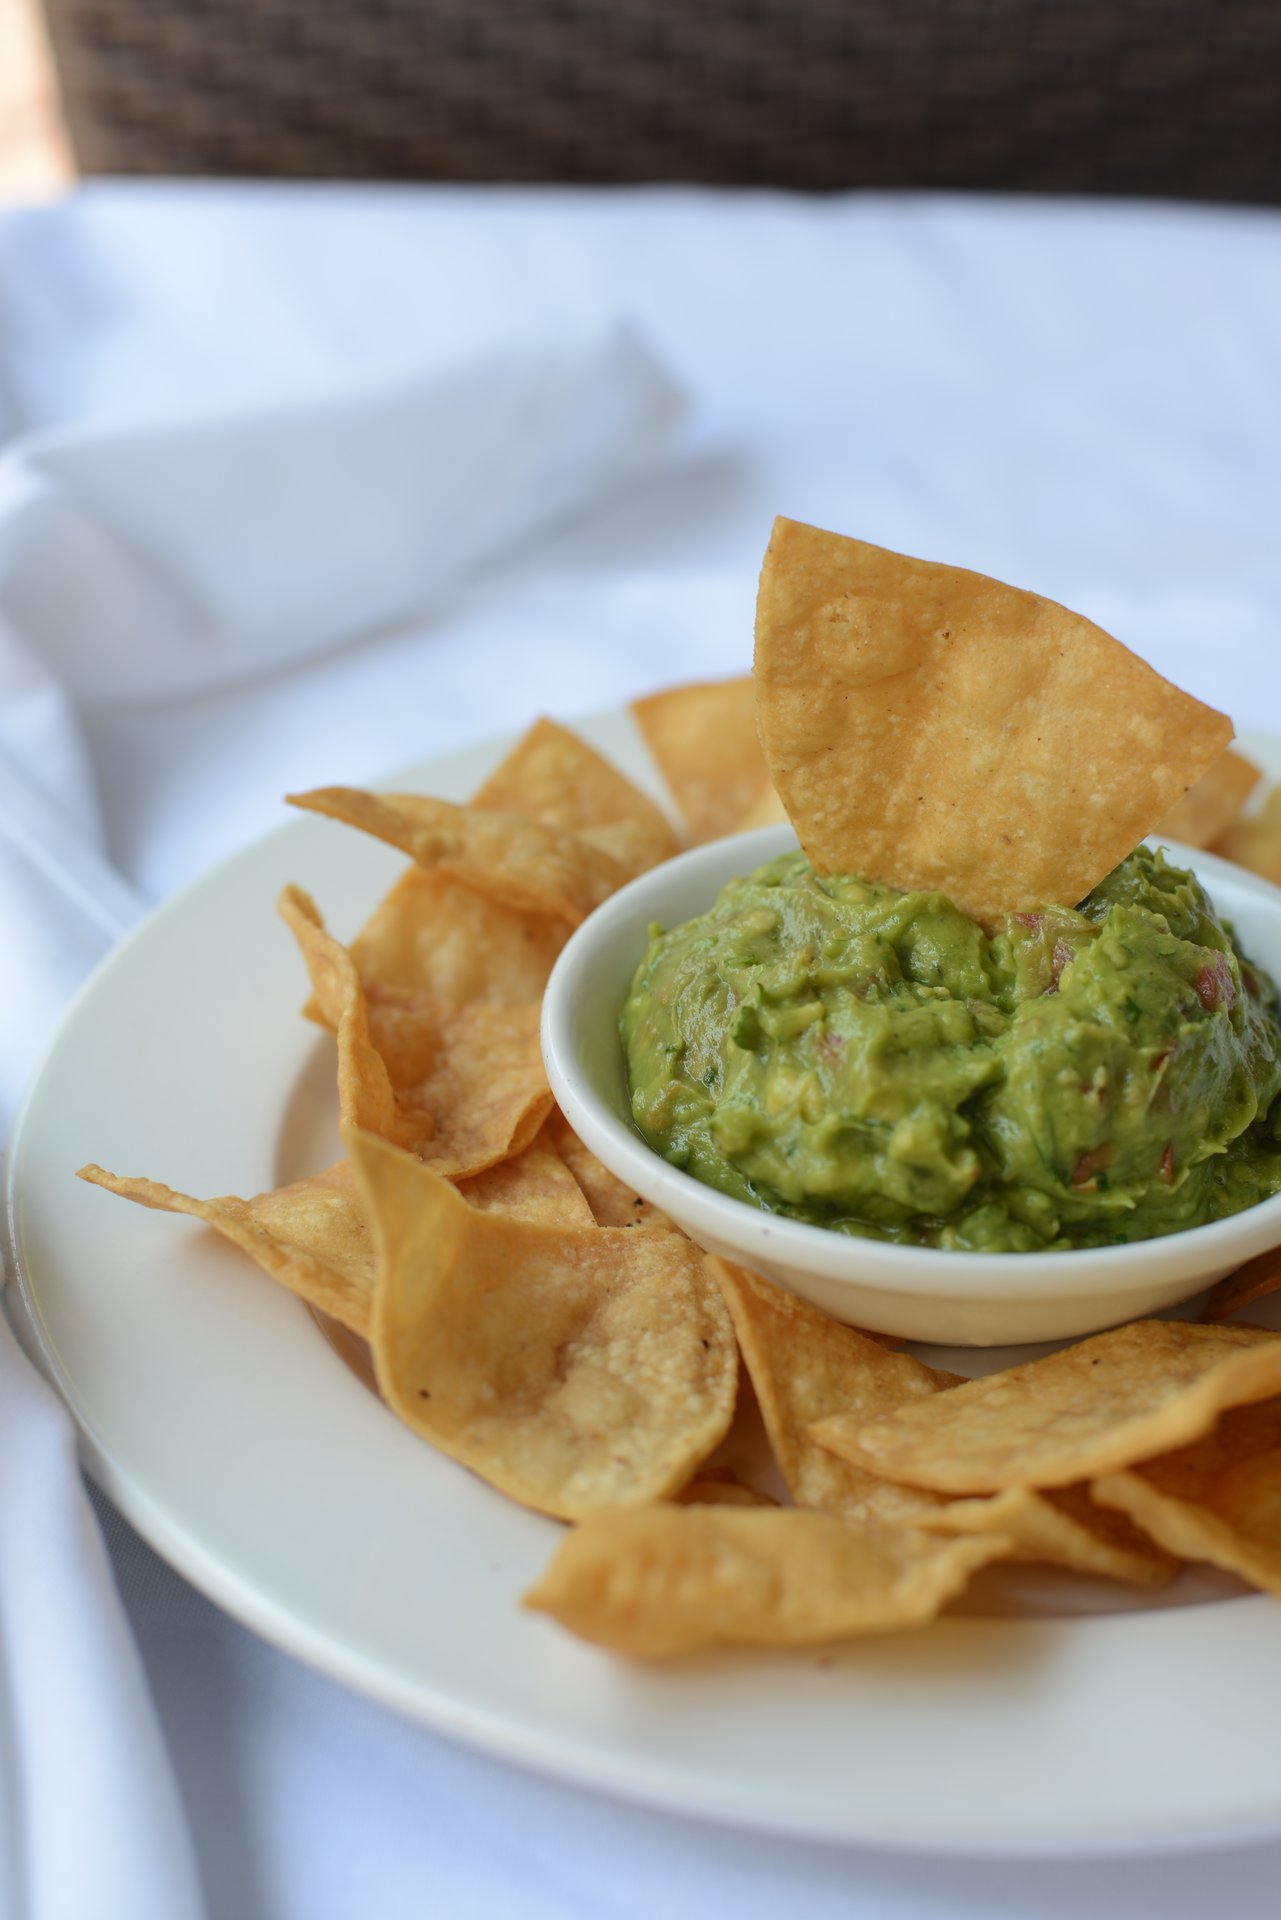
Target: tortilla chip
{"points": [[475, 1074], [722, 1487], [1254, 1281], [1087, 1410], [1211, 803], [1217, 1500], [520, 862], [1255, 840], [574, 1369], [1062, 1528], [936, 730], [535, 1185], [767, 810], [704, 740], [312, 1237], [462, 1087], [436, 937], [658, 1581], [365, 1094], [805, 1366], [612, 1203], [553, 776]]}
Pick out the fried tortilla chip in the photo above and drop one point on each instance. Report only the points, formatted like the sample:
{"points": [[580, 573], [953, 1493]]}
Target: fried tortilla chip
{"points": [[312, 1236], [612, 1203], [1254, 841], [1087, 1410], [553, 776], [520, 862], [663, 1580], [535, 1185], [1217, 1500], [936, 730], [1061, 1528], [722, 1487], [462, 1087], [572, 1368], [1254, 1281], [767, 810], [804, 1367], [704, 739], [1211, 803], [366, 1097], [436, 937], [476, 1073]]}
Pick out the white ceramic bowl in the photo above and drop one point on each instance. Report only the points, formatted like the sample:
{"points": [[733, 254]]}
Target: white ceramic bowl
{"points": [[919, 1293]]}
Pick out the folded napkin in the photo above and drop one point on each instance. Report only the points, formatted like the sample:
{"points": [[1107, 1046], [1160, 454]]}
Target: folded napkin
{"points": [[173, 557], [170, 560]]}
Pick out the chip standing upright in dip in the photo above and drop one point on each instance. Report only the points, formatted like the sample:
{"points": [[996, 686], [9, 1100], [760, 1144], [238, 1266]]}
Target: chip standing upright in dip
{"points": [[930, 728], [963, 1051]]}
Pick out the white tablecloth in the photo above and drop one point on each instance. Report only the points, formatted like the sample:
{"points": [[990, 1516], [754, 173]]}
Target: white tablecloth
{"points": [[1084, 400]]}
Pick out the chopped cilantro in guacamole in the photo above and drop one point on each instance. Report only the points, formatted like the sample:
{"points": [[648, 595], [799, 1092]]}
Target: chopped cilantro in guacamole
{"points": [[873, 1061]]}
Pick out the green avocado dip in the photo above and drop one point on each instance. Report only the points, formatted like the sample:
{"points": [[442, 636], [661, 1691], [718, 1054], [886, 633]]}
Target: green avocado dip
{"points": [[874, 1062]]}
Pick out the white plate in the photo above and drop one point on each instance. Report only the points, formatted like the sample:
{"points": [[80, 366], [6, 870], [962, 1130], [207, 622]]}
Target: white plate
{"points": [[239, 1444]]}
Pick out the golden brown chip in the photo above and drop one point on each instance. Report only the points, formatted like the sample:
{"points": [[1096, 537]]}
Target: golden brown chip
{"points": [[722, 1487], [1254, 841], [572, 1368], [365, 1094], [1061, 1528], [612, 1203], [767, 810], [535, 1185], [1211, 803], [704, 739], [311, 1236], [524, 864], [657, 1581], [435, 937], [1254, 1281], [462, 1087], [805, 1366], [476, 1073], [936, 730], [553, 776], [1087, 1410], [1217, 1500]]}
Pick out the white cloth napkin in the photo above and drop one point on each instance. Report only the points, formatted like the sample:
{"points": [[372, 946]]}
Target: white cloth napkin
{"points": [[177, 557], [160, 561], [91, 1824]]}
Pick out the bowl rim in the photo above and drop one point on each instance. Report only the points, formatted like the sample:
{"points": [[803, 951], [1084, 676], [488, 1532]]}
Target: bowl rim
{"points": [[1196, 1252]]}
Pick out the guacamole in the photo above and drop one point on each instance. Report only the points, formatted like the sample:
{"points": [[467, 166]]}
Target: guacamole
{"points": [[875, 1062]]}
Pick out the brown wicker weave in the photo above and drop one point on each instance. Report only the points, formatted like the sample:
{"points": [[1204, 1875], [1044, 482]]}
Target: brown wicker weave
{"points": [[1122, 96]]}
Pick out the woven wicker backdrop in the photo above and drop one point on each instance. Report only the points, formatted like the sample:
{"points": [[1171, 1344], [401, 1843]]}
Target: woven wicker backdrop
{"points": [[1136, 96]]}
